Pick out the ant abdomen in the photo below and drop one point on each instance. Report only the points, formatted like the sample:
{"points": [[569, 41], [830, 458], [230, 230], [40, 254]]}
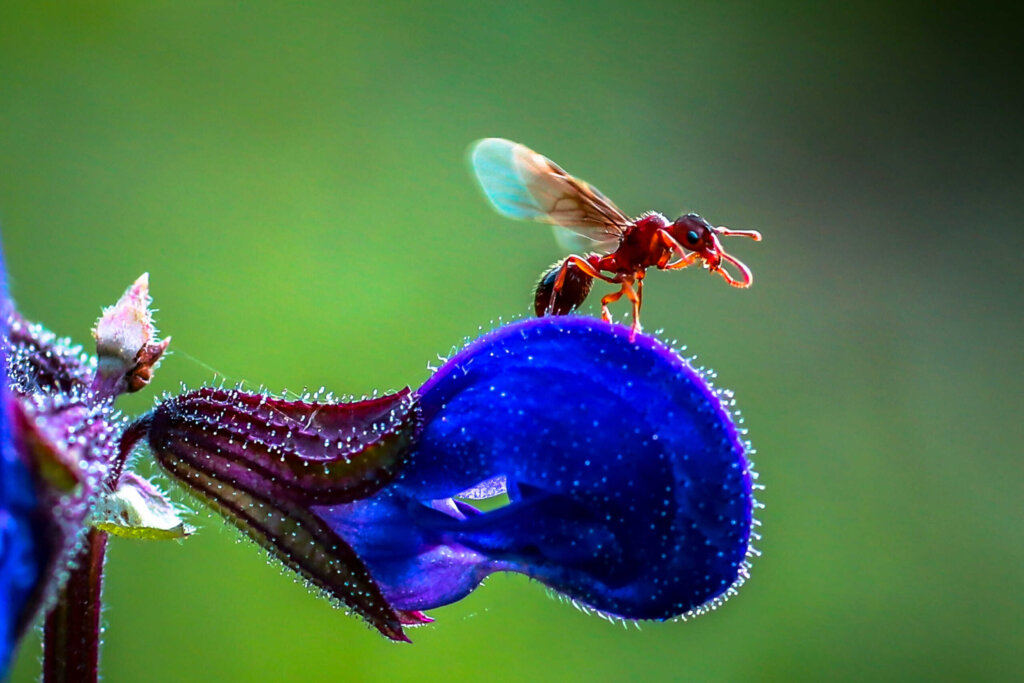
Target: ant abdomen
{"points": [[574, 291]]}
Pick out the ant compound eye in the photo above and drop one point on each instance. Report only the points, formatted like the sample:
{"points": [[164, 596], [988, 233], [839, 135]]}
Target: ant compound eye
{"points": [[691, 237]]}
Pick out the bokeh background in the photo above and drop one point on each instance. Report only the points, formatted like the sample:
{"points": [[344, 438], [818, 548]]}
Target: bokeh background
{"points": [[293, 177]]}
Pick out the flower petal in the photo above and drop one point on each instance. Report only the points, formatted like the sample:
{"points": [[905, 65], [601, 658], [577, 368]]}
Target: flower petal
{"points": [[628, 480]]}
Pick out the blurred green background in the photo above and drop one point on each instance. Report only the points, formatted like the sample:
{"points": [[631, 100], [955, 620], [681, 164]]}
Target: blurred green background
{"points": [[293, 177]]}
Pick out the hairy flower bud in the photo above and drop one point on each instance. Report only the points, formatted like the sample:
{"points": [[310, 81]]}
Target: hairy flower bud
{"points": [[125, 342]]}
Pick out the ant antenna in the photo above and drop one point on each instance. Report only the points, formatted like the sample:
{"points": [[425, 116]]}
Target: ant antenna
{"points": [[726, 232], [748, 277]]}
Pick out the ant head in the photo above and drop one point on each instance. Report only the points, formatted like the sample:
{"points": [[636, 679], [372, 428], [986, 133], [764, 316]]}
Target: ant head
{"points": [[697, 235]]}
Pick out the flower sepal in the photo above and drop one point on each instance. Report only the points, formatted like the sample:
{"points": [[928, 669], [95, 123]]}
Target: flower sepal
{"points": [[264, 462], [137, 509]]}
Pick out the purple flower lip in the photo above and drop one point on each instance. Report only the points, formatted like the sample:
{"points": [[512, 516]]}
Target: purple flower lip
{"points": [[629, 482]]}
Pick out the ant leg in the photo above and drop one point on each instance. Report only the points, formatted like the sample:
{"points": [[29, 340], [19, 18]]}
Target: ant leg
{"points": [[607, 299], [672, 245], [748, 277], [586, 268], [682, 263], [627, 289], [636, 298]]}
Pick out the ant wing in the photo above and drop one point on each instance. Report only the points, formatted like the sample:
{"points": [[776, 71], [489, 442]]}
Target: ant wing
{"points": [[580, 243], [521, 183]]}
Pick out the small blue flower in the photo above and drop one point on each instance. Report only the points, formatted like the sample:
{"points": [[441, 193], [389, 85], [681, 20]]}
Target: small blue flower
{"points": [[629, 485]]}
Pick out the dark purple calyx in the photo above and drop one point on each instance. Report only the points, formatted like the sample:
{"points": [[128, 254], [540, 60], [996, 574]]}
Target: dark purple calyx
{"points": [[263, 461], [39, 362], [65, 433]]}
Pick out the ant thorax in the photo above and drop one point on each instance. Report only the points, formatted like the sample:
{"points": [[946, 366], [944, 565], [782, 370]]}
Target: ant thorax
{"points": [[652, 220], [640, 246]]}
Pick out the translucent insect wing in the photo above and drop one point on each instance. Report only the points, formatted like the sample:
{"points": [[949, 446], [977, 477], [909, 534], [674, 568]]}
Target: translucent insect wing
{"points": [[574, 242], [523, 184], [494, 161]]}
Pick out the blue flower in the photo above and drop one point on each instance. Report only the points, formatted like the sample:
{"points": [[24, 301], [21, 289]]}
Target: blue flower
{"points": [[629, 486], [628, 483]]}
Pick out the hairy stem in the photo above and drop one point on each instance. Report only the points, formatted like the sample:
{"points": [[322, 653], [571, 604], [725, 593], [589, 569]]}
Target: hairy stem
{"points": [[71, 634], [131, 436]]}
